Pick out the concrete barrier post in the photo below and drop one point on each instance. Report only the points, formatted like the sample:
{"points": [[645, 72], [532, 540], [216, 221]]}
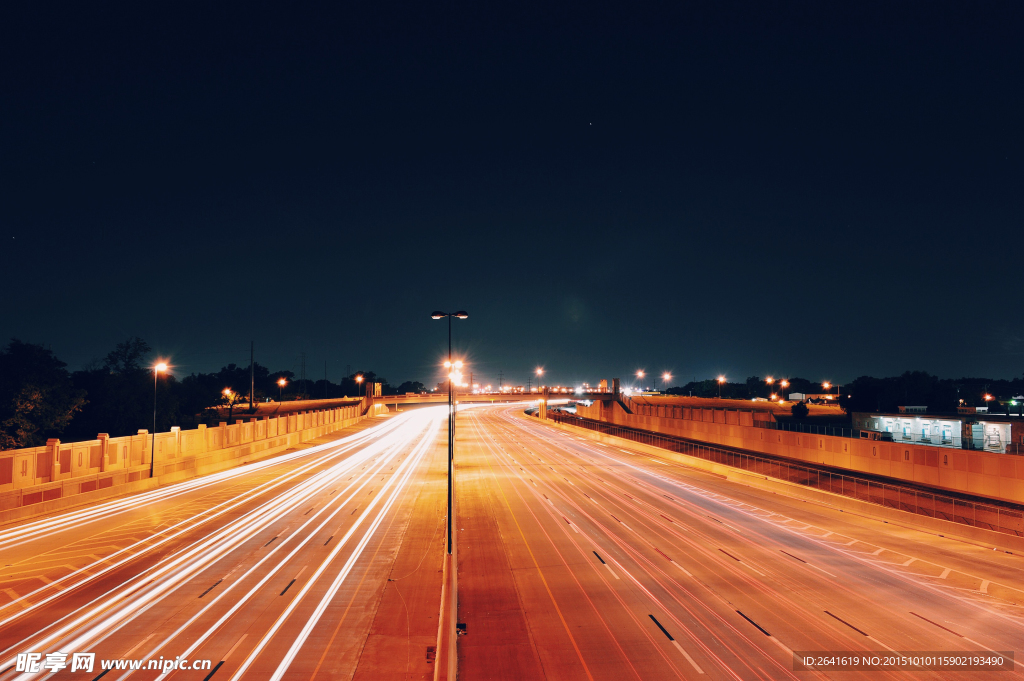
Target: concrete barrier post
{"points": [[53, 445], [104, 439]]}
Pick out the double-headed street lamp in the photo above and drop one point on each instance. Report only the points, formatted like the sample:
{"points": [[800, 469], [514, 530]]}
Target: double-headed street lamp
{"points": [[157, 368], [437, 314]]}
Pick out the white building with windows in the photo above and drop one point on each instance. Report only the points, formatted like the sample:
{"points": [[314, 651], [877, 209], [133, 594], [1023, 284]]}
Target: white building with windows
{"points": [[980, 431]]}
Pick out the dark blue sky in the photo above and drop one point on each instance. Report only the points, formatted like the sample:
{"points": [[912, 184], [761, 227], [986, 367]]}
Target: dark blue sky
{"points": [[785, 188]]}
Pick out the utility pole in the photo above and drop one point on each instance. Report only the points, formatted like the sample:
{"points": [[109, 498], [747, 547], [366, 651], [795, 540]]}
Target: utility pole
{"points": [[252, 376], [325, 379], [500, 376], [528, 384]]}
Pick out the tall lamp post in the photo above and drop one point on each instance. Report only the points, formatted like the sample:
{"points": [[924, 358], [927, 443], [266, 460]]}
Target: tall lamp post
{"points": [[359, 382], [721, 380], [157, 368], [783, 384], [665, 378], [437, 314], [769, 381], [281, 383], [639, 377]]}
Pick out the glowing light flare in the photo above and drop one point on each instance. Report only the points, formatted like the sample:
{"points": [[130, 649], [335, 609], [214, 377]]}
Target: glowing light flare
{"points": [[281, 382], [160, 366]]}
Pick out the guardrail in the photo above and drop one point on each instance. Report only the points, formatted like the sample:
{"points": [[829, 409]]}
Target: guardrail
{"points": [[996, 518]]}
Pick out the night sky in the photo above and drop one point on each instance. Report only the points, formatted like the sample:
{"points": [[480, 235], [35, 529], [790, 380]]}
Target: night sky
{"points": [[747, 189]]}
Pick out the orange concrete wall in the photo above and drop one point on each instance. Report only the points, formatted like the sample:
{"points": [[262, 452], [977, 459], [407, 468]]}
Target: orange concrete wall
{"points": [[62, 469], [997, 476]]}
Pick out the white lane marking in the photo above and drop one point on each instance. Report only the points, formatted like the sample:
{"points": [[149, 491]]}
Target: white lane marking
{"points": [[781, 645], [687, 656], [825, 571], [909, 562], [750, 568], [237, 643], [945, 573], [984, 586], [661, 462], [685, 571], [827, 534], [872, 638], [611, 571], [875, 553], [137, 645], [852, 542]]}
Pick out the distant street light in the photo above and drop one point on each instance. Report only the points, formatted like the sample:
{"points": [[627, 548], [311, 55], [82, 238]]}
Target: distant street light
{"points": [[359, 381], [721, 380], [639, 377], [665, 378], [281, 383], [783, 384], [769, 380], [157, 368], [461, 314]]}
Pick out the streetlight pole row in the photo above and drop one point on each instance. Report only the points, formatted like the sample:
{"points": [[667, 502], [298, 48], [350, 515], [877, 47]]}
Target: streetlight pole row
{"points": [[437, 314]]}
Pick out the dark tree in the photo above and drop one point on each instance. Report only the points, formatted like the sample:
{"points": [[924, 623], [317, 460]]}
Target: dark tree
{"points": [[37, 398], [410, 387], [127, 357], [799, 410]]}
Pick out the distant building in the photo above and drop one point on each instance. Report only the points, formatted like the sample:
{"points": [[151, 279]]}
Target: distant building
{"points": [[980, 431], [814, 398]]}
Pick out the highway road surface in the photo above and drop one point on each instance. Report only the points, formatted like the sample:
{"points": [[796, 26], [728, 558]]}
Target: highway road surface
{"points": [[577, 560], [580, 560], [318, 563]]}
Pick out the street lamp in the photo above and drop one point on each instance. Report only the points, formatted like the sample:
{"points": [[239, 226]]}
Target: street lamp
{"points": [[281, 383], [769, 380], [721, 380], [157, 368], [665, 378], [359, 381], [461, 314], [783, 384], [639, 377]]}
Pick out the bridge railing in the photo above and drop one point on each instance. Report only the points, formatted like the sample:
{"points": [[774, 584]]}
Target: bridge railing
{"points": [[1003, 519]]}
